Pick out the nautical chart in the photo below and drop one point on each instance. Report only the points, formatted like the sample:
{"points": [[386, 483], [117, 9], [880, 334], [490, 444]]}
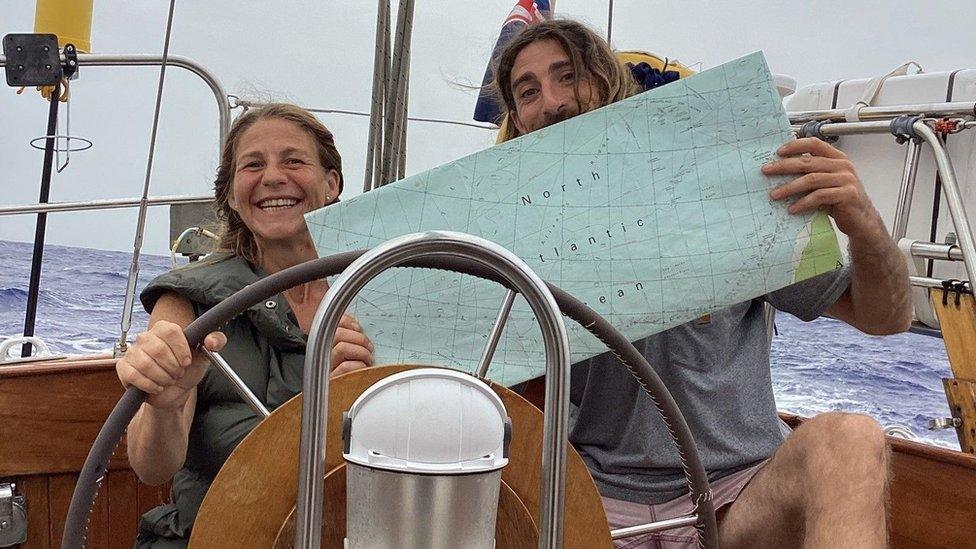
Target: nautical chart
{"points": [[652, 210]]}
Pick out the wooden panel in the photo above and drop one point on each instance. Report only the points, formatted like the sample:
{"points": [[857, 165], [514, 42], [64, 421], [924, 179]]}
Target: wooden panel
{"points": [[94, 363], [115, 517], [535, 392], [121, 490], [588, 526], [50, 420], [961, 395], [933, 492], [50, 413], [60, 488], [59, 497], [519, 530], [933, 503], [958, 323]]}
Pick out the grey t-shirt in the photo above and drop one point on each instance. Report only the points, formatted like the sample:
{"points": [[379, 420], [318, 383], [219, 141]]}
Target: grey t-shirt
{"points": [[717, 369]]}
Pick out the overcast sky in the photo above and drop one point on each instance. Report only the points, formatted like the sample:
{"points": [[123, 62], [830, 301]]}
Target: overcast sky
{"points": [[321, 54]]}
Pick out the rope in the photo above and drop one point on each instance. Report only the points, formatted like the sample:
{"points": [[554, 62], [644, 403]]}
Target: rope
{"points": [[396, 94], [381, 62], [403, 83], [46, 91], [385, 79], [401, 122]]}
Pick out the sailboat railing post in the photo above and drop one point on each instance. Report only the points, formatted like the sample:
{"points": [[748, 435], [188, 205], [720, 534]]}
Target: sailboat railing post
{"points": [[113, 60], [130, 287], [950, 188], [223, 108], [906, 191], [496, 334]]}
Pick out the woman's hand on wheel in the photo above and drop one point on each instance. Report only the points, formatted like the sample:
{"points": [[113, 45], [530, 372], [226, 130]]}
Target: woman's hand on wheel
{"points": [[161, 364], [351, 349]]}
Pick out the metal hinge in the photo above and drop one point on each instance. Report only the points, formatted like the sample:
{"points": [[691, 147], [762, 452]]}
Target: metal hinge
{"points": [[944, 423], [13, 516]]}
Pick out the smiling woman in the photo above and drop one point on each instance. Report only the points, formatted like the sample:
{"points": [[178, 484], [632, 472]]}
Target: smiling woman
{"points": [[279, 162], [277, 157]]}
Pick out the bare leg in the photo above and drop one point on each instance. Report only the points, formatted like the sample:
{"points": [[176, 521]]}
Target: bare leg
{"points": [[826, 486]]}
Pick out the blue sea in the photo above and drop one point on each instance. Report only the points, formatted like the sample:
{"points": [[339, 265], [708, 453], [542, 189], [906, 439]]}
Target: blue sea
{"points": [[817, 366]]}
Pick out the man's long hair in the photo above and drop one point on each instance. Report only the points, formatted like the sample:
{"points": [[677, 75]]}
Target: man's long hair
{"points": [[589, 54]]}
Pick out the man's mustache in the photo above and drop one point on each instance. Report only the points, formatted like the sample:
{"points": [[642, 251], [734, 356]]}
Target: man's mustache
{"points": [[565, 114]]}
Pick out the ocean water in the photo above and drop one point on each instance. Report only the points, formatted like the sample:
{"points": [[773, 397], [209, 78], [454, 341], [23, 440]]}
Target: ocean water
{"points": [[816, 366]]}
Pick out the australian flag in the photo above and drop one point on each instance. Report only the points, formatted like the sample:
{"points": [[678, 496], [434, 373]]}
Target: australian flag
{"points": [[525, 13]]}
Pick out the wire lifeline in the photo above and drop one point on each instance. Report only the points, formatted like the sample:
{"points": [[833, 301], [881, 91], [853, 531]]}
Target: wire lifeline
{"points": [[244, 104], [130, 289]]}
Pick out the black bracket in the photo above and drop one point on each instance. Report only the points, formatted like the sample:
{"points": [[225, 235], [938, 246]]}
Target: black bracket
{"points": [[346, 432], [32, 60], [70, 60], [903, 128], [957, 287], [508, 437], [814, 128]]}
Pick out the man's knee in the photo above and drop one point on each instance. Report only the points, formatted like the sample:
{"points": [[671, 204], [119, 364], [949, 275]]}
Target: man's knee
{"points": [[836, 442], [857, 430]]}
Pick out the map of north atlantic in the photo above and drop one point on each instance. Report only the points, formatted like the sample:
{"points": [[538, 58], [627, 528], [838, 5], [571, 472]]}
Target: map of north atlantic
{"points": [[652, 210]]}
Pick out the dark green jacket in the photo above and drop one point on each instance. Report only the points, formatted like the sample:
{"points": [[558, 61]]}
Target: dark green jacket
{"points": [[265, 347]]}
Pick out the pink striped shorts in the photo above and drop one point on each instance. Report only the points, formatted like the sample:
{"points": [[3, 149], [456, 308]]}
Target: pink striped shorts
{"points": [[621, 513]]}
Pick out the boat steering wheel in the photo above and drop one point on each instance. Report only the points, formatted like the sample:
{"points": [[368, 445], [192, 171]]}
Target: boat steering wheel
{"points": [[96, 464]]}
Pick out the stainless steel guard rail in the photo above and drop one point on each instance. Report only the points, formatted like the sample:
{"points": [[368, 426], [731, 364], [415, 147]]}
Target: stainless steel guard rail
{"points": [[962, 108], [950, 185], [106, 204], [129, 60]]}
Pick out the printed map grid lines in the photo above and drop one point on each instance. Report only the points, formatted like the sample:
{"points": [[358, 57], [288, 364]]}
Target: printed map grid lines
{"points": [[701, 202]]}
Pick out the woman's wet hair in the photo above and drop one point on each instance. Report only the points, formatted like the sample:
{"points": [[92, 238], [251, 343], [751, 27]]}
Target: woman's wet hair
{"points": [[235, 236], [589, 54]]}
